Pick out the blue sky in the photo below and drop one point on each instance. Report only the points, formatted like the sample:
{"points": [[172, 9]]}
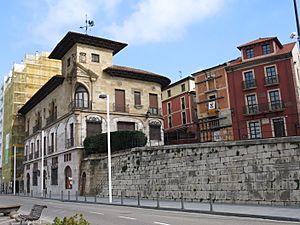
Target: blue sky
{"points": [[163, 36]]}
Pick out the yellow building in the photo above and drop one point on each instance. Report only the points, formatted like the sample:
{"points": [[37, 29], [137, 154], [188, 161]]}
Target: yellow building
{"points": [[22, 83]]}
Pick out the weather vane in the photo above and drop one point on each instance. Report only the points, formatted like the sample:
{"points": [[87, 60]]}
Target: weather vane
{"points": [[88, 23]]}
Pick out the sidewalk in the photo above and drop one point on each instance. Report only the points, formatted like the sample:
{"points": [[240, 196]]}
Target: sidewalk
{"points": [[241, 210]]}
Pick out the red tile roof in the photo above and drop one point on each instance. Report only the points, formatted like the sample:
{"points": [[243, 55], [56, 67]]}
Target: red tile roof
{"points": [[132, 73], [260, 40]]}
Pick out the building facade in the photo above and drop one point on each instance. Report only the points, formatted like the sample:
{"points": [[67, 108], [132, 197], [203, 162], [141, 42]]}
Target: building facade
{"points": [[264, 90], [179, 111], [213, 104], [24, 80], [67, 109]]}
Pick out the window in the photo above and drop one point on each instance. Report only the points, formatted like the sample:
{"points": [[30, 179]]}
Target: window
{"points": [[67, 157], [249, 80], [169, 108], [271, 76], [170, 121], [121, 126], [54, 171], [45, 145], [183, 115], [182, 100], [275, 102], [35, 174], [68, 178], [169, 93], [266, 49], [70, 139], [95, 58], [153, 104], [137, 98], [81, 97], [183, 87], [212, 102], [252, 106], [211, 84], [155, 132], [278, 127], [249, 53], [254, 130], [93, 128], [68, 62], [120, 101], [82, 57]]}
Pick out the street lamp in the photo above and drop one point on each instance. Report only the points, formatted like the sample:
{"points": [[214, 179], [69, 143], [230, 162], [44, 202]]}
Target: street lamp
{"points": [[103, 96]]}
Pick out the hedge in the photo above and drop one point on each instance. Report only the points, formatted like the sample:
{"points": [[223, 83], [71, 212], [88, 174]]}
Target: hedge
{"points": [[119, 140]]}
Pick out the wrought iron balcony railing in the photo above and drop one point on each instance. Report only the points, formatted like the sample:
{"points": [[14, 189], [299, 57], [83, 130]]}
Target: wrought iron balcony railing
{"points": [[36, 128], [80, 104], [154, 111], [264, 108], [50, 149], [36, 154], [271, 80], [249, 84], [30, 156], [51, 119], [69, 142]]}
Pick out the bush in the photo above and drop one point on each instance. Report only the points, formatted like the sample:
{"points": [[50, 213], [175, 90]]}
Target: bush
{"points": [[119, 140], [72, 220]]}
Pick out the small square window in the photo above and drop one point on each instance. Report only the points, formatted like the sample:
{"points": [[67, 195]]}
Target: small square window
{"points": [[95, 58], [183, 87], [266, 49]]}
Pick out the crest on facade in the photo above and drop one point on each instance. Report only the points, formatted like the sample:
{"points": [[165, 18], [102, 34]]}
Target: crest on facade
{"points": [[155, 123], [94, 118]]}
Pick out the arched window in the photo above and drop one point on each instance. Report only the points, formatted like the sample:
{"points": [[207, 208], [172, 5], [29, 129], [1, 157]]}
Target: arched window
{"points": [[28, 182], [68, 178], [81, 97]]}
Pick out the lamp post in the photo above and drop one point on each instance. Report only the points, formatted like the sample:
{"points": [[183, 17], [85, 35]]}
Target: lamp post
{"points": [[15, 169], [103, 96]]}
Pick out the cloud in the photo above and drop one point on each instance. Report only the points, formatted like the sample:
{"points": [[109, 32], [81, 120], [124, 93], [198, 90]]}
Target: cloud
{"points": [[156, 21], [61, 16]]}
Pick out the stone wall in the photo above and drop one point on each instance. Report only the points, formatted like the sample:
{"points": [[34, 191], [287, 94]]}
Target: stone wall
{"points": [[253, 171]]}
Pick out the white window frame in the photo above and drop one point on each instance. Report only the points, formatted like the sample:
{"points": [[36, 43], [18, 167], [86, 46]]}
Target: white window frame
{"points": [[249, 131], [272, 125]]}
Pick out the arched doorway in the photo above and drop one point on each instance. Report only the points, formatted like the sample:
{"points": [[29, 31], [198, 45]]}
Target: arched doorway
{"points": [[68, 178], [28, 183], [83, 183]]}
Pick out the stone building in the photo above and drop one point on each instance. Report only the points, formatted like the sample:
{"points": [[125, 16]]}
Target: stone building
{"points": [[67, 109]]}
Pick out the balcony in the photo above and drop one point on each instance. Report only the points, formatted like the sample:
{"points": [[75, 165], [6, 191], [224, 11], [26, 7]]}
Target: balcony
{"points": [[80, 104], [264, 108], [69, 142], [273, 80], [36, 128], [249, 84], [51, 119], [36, 154], [120, 108], [30, 156], [154, 111], [50, 149]]}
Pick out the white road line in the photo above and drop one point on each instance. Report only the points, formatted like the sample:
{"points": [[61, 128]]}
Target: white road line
{"points": [[97, 213], [160, 223], [127, 218]]}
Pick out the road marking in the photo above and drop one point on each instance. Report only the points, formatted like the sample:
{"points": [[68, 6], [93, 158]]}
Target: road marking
{"points": [[160, 223], [97, 213], [127, 218]]}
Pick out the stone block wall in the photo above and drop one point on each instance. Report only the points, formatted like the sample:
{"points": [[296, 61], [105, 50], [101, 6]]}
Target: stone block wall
{"points": [[252, 171]]}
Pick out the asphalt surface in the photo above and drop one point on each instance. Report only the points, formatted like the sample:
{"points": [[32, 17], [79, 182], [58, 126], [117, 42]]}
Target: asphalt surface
{"points": [[122, 215]]}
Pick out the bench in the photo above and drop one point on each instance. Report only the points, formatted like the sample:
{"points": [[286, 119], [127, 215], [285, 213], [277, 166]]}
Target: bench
{"points": [[7, 209], [34, 214]]}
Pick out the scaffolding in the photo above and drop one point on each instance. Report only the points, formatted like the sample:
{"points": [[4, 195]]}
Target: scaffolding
{"points": [[22, 83]]}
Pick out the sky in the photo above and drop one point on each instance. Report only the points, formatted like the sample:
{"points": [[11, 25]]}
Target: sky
{"points": [[173, 38]]}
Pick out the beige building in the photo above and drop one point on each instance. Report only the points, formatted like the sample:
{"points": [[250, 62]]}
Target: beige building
{"points": [[67, 109]]}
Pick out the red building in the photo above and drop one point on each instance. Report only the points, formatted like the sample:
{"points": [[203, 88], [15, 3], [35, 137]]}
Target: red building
{"points": [[180, 112], [264, 90]]}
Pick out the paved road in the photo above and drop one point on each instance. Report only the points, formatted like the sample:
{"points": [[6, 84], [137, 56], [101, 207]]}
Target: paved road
{"points": [[121, 215]]}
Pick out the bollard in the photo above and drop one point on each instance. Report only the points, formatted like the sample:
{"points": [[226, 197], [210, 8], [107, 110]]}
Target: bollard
{"points": [[50, 194], [139, 200], [157, 199], [122, 196], [62, 195], [31, 193], [69, 195], [76, 196], [181, 198], [95, 198], [85, 198], [210, 202]]}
